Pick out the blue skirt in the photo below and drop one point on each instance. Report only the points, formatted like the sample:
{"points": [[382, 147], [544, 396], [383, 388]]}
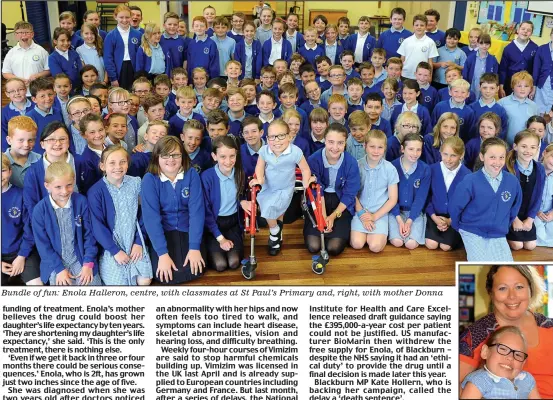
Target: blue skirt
{"points": [[418, 228], [479, 248]]}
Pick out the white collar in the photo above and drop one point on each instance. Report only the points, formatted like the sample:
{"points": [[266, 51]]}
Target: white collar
{"points": [[123, 31], [67, 205], [89, 47], [310, 48], [447, 171], [47, 163], [359, 35], [277, 41], [288, 150], [317, 140], [63, 53], [98, 152], [164, 178], [269, 120]]}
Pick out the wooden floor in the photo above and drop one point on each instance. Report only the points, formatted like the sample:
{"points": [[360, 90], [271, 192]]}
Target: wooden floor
{"points": [[392, 267]]}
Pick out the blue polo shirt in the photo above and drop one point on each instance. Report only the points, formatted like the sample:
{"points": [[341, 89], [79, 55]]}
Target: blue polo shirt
{"points": [[518, 112]]}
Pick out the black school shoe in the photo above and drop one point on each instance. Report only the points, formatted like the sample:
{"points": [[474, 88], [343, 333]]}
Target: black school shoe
{"points": [[276, 245]]}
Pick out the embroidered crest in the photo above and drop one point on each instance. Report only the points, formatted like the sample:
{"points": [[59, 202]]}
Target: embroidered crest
{"points": [[185, 192], [438, 43], [180, 49], [461, 121], [506, 196], [134, 40], [400, 40], [79, 220], [14, 212], [427, 99], [206, 50], [424, 48], [82, 176], [398, 96], [532, 53], [36, 57], [417, 183], [197, 168], [368, 46]]}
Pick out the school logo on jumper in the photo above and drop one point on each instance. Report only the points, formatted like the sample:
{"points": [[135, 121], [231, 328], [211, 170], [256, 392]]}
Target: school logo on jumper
{"points": [[424, 48], [206, 50], [185, 192], [400, 40], [533, 52], [506, 196], [461, 121], [368, 46], [180, 49], [427, 99], [75, 65], [79, 220], [134, 40], [417, 183], [197, 168], [14, 212], [36, 57], [438, 43]]}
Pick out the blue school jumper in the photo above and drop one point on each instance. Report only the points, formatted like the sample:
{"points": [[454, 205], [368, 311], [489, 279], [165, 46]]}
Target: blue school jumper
{"points": [[469, 70], [438, 37], [203, 53], [70, 67], [314, 145], [241, 56], [42, 119], [535, 199], [348, 181], [297, 40], [412, 191], [139, 164], [354, 107], [311, 54], [174, 49], [201, 160], [543, 65], [212, 197], [101, 32], [307, 106], [374, 88], [383, 125], [440, 197], [46, 232], [274, 89], [465, 114], [176, 122], [235, 124], [352, 74], [285, 53], [334, 58], [399, 91], [480, 108], [422, 113], [429, 97], [236, 36], [472, 150], [430, 154], [513, 61], [443, 95], [171, 109], [368, 47], [17, 237], [393, 150], [114, 51], [324, 85], [76, 41], [477, 209], [391, 39], [89, 163], [252, 109], [304, 145], [249, 159], [304, 120], [8, 112], [166, 209], [468, 50]]}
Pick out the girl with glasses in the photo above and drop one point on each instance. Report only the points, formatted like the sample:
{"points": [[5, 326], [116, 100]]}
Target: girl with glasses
{"points": [[77, 108]]}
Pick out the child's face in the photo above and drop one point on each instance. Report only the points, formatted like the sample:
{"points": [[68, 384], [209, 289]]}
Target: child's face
{"points": [[170, 166], [488, 91], [141, 90], [157, 112], [397, 21], [394, 70], [451, 42], [56, 145], [310, 38], [538, 128], [233, 71], [62, 43], [288, 100], [335, 144], [68, 24], [116, 165], [249, 90], [331, 35], [320, 26], [294, 126], [120, 104], [268, 80], [211, 103], [77, 110], [373, 109], [123, 19], [450, 159], [199, 79], [62, 87], [117, 128], [280, 67], [102, 94], [364, 26], [237, 23], [524, 31], [504, 366], [225, 158], [191, 138], [367, 76], [459, 94], [135, 105], [548, 161], [236, 102], [60, 189], [198, 27], [155, 37], [220, 30], [21, 142], [526, 149], [522, 89], [44, 99], [209, 15], [358, 132], [16, 91], [95, 106], [323, 68], [154, 133], [412, 150], [307, 76], [162, 90], [337, 77], [432, 23], [88, 36], [278, 138], [343, 29], [410, 95], [473, 38], [136, 18], [278, 30], [266, 105], [377, 60], [407, 126], [494, 159], [216, 130], [484, 47], [375, 149], [182, 30], [89, 78], [252, 134], [319, 127], [388, 92], [355, 92], [249, 33], [448, 129], [93, 19], [423, 76], [266, 16], [292, 22], [95, 135], [347, 62], [313, 91], [337, 111], [286, 79], [487, 129], [420, 28], [6, 175], [452, 75]]}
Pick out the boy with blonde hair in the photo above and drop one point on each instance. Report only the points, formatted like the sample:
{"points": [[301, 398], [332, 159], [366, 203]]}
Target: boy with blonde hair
{"points": [[186, 101]]}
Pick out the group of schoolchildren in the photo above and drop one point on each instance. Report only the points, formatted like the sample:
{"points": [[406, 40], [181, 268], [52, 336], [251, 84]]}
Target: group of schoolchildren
{"points": [[148, 178]]}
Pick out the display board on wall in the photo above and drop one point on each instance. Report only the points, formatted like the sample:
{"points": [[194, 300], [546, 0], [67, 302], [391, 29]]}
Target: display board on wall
{"points": [[511, 11], [540, 7]]}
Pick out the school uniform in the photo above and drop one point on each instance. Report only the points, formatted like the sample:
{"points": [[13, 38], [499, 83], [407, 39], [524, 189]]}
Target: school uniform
{"points": [[476, 66], [482, 211], [373, 193], [68, 62], [324, 83], [101, 32], [361, 52], [153, 65], [429, 97], [430, 154], [10, 111], [443, 183], [393, 150], [311, 53], [249, 159], [25, 62], [171, 109], [360, 106], [89, 56], [117, 226], [42, 119], [438, 37], [383, 125], [308, 106], [472, 150], [89, 162], [268, 56], [378, 79], [388, 110], [64, 239], [465, 114], [120, 48], [415, 51], [252, 109], [238, 37], [17, 237], [19, 171], [391, 39], [354, 148], [413, 190], [340, 183], [203, 53], [77, 140], [225, 47], [249, 55], [139, 163], [314, 143], [174, 218], [516, 58], [333, 52], [518, 111], [201, 159], [263, 34], [235, 124], [543, 77], [327, 93], [304, 145], [175, 49], [76, 41], [61, 106], [304, 119], [444, 95], [399, 96], [177, 121], [352, 74], [422, 113], [544, 230], [131, 138], [296, 40], [479, 108], [456, 55], [532, 181], [468, 50], [492, 386]]}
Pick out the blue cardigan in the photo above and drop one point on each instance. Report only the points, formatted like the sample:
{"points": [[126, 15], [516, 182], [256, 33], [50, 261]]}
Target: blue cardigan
{"points": [[102, 215], [543, 65], [468, 71], [203, 54], [240, 55], [202, 161], [348, 180], [48, 241], [58, 65], [17, 236], [166, 209], [466, 118], [513, 61], [139, 164], [390, 41], [477, 209], [472, 149], [412, 192], [535, 199], [439, 197], [368, 47], [175, 52], [212, 197], [285, 53], [430, 154], [114, 51], [88, 163]]}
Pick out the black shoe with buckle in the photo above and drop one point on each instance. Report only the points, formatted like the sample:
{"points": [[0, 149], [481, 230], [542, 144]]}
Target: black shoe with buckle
{"points": [[275, 241]]}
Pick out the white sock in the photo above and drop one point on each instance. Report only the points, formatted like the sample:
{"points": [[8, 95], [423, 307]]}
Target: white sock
{"points": [[274, 230]]}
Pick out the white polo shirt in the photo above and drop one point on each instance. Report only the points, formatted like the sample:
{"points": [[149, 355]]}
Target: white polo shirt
{"points": [[25, 62], [416, 50]]}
